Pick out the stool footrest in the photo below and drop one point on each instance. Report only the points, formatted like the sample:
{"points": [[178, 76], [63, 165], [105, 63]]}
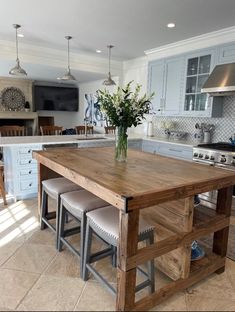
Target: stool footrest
{"points": [[72, 231], [51, 215], [101, 254], [71, 248], [52, 227], [142, 285]]}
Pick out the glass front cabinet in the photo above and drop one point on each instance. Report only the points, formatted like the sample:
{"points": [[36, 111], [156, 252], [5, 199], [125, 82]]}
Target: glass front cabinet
{"points": [[198, 68]]}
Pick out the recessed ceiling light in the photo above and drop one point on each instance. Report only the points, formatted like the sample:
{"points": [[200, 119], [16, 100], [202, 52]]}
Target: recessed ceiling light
{"points": [[98, 51], [171, 25], [20, 35]]}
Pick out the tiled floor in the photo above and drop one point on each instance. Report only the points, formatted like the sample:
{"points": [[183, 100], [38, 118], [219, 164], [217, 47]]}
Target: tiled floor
{"points": [[33, 276]]}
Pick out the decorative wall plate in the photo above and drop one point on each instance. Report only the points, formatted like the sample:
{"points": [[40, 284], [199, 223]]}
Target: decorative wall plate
{"points": [[13, 99]]}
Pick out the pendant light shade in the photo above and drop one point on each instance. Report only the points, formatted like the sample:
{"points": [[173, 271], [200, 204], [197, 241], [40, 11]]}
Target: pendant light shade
{"points": [[17, 70], [109, 81], [67, 76]]}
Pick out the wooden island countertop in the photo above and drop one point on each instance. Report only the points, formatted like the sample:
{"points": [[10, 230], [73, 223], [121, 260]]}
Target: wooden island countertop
{"points": [[154, 181]]}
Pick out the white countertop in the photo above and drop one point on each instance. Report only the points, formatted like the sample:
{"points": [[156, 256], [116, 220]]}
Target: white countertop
{"points": [[60, 139]]}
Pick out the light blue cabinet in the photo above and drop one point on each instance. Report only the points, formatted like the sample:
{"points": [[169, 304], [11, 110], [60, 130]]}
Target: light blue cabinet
{"points": [[226, 53], [166, 81]]}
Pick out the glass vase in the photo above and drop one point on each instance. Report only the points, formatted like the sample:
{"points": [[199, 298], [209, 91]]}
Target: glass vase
{"points": [[121, 144]]}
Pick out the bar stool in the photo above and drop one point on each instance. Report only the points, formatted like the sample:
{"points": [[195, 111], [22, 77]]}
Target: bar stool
{"points": [[2, 187], [104, 222], [76, 204], [54, 188]]}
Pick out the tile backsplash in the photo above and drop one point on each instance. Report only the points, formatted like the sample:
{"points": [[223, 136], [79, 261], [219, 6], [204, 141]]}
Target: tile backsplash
{"points": [[224, 127]]}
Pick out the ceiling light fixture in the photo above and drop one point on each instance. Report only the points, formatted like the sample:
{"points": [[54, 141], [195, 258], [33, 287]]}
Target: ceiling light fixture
{"points": [[109, 81], [171, 25], [98, 51], [67, 76], [20, 35], [17, 70]]}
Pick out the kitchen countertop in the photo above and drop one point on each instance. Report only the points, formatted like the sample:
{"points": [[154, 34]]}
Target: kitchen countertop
{"points": [[57, 139]]}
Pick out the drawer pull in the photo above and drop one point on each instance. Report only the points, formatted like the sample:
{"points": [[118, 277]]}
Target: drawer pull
{"points": [[30, 161], [30, 171], [175, 150]]}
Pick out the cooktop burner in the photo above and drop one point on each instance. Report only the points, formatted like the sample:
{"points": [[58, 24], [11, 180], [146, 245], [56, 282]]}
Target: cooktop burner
{"points": [[223, 146]]}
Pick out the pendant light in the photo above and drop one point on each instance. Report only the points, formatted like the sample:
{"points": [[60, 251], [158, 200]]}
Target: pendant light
{"points": [[68, 76], [109, 81], [17, 70]]}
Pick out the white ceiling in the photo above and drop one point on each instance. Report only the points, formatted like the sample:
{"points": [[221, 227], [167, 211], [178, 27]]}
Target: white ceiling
{"points": [[133, 26]]}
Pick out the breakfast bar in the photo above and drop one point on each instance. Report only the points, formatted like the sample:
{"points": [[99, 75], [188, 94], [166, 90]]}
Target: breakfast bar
{"points": [[161, 190]]}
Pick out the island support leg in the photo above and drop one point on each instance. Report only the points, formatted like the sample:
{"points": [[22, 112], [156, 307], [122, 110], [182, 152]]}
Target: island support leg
{"points": [[220, 241], [128, 241]]}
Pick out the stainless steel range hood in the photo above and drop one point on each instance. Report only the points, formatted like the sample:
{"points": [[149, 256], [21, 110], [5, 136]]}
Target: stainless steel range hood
{"points": [[221, 81]]}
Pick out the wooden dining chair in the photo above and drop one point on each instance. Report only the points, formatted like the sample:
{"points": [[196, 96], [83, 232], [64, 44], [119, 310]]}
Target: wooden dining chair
{"points": [[109, 130], [12, 131], [81, 129], [51, 130]]}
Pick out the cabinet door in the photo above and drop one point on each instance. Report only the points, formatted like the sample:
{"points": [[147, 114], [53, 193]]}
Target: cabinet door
{"points": [[174, 75], [156, 84], [227, 54]]}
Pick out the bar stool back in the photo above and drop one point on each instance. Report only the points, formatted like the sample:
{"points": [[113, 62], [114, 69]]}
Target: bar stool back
{"points": [[104, 222]]}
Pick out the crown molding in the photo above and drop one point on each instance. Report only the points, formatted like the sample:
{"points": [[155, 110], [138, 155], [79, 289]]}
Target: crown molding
{"points": [[57, 58], [194, 43]]}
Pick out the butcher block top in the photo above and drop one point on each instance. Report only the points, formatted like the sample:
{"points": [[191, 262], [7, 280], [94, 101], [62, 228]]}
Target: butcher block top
{"points": [[144, 180]]}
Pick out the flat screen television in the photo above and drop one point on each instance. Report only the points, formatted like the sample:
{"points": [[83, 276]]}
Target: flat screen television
{"points": [[55, 98]]}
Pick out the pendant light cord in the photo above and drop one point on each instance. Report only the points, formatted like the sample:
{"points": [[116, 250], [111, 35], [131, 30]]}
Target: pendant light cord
{"points": [[17, 58], [68, 57], [109, 57]]}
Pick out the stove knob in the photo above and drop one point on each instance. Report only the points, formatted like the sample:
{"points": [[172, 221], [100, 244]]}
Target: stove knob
{"points": [[233, 162], [223, 160], [195, 155], [212, 158], [207, 157], [200, 156]]}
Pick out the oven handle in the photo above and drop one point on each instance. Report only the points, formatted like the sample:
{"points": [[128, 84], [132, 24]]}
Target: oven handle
{"points": [[204, 162]]}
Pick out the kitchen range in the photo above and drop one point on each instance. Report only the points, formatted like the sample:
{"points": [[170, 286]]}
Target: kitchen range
{"points": [[221, 154]]}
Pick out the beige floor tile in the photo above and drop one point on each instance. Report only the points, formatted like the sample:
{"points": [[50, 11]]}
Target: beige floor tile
{"points": [[95, 298], [215, 286], [45, 237], [65, 264], [199, 303], [8, 250], [173, 303], [105, 268], [52, 293], [13, 287], [31, 258]]}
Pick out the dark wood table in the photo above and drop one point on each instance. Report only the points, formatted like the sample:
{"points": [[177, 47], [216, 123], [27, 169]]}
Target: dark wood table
{"points": [[164, 185]]}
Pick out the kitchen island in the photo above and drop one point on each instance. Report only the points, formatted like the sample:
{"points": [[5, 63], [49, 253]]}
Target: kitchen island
{"points": [[156, 187]]}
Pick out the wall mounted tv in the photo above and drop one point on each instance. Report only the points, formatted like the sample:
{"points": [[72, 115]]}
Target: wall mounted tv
{"points": [[53, 98]]}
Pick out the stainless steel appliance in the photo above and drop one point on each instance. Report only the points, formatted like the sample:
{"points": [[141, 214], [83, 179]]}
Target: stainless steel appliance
{"points": [[221, 155]]}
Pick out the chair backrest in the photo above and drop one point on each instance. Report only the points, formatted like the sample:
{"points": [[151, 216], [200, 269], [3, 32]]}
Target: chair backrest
{"points": [[51, 130], [81, 129], [12, 131], [109, 130]]}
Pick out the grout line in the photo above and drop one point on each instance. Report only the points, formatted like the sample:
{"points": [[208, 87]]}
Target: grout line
{"points": [[1, 266], [79, 297]]}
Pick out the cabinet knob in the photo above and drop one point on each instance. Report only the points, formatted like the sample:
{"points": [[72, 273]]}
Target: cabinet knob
{"points": [[30, 184], [30, 171], [29, 151], [30, 161]]}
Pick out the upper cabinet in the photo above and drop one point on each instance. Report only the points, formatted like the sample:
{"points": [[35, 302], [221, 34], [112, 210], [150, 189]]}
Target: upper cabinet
{"points": [[177, 83], [227, 53], [166, 81]]}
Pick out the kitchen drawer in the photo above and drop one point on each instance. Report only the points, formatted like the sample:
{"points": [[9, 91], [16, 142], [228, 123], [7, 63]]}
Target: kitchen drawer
{"points": [[27, 161], [28, 150], [29, 185], [28, 172], [176, 151]]}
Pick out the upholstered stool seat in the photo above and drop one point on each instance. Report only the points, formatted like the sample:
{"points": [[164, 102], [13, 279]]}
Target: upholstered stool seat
{"points": [[76, 203], [54, 188], [104, 222]]}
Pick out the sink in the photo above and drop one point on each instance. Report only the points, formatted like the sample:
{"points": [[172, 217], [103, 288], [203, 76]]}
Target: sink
{"points": [[91, 138]]}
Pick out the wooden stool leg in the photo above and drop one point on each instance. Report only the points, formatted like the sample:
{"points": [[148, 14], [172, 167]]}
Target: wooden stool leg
{"points": [[2, 187]]}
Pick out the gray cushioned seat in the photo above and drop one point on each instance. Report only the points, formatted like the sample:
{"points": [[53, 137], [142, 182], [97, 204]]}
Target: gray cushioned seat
{"points": [[57, 186], [79, 202], [106, 219]]}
